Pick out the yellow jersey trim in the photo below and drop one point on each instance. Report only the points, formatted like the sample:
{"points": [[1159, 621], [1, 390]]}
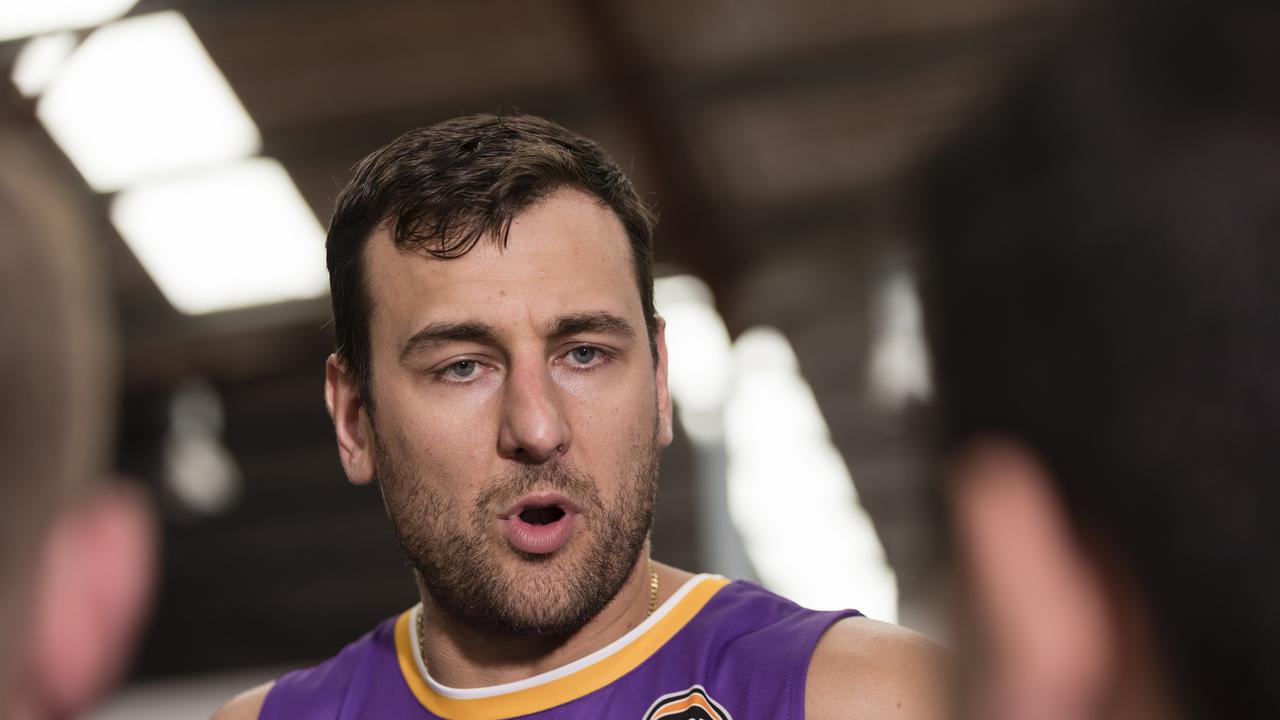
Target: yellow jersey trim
{"points": [[562, 689]]}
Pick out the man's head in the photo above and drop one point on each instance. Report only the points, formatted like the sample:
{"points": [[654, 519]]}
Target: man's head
{"points": [[442, 189], [500, 368], [74, 556], [1102, 277]]}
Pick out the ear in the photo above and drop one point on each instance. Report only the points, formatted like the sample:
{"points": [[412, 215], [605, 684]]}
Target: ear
{"points": [[94, 587], [665, 432], [350, 421], [1040, 601]]}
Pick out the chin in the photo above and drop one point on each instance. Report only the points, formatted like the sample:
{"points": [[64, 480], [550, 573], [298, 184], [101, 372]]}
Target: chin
{"points": [[539, 596]]}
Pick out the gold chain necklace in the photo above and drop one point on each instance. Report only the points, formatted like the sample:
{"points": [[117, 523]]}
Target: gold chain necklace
{"points": [[653, 588], [653, 605]]}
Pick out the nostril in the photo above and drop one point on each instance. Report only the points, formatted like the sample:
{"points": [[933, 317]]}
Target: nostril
{"points": [[535, 454]]}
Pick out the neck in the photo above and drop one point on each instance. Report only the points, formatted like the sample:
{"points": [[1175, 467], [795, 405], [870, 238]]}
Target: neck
{"points": [[460, 657]]}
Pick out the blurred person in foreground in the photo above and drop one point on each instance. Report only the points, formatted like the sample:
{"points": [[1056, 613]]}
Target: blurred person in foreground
{"points": [[75, 553], [502, 373], [1102, 288]]}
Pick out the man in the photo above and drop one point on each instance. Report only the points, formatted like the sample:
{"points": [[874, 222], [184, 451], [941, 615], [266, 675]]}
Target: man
{"points": [[75, 555], [502, 373], [1102, 275]]}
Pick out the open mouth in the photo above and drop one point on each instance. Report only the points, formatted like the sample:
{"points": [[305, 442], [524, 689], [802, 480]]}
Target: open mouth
{"points": [[542, 515], [539, 524]]}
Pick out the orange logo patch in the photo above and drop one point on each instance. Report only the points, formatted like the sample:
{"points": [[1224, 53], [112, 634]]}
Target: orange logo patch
{"points": [[691, 704]]}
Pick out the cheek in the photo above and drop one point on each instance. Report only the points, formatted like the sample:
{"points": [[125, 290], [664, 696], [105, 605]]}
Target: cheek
{"points": [[442, 429], [432, 451], [612, 438], [600, 430], [617, 399]]}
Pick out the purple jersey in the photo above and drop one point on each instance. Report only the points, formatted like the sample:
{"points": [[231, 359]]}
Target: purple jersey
{"points": [[715, 650]]}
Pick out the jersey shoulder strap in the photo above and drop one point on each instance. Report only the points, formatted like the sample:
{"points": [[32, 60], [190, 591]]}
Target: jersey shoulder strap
{"points": [[754, 649], [363, 680]]}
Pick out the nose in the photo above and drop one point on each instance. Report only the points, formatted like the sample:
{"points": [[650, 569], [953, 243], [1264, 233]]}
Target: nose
{"points": [[534, 429]]}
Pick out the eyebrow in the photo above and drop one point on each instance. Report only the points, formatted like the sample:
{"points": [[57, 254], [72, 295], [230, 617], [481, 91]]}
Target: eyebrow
{"points": [[596, 322], [437, 334]]}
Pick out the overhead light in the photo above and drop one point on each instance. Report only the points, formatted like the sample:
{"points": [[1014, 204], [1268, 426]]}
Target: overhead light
{"points": [[39, 60], [200, 473], [750, 398], [790, 492], [697, 373], [141, 98], [20, 19], [899, 368], [237, 236]]}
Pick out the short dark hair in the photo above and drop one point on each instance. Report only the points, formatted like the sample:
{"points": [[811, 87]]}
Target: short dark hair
{"points": [[441, 188], [1101, 274]]}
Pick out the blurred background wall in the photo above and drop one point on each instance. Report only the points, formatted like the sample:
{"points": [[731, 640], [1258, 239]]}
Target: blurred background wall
{"points": [[207, 139]]}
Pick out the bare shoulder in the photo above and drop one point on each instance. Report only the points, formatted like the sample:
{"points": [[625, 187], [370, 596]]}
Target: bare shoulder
{"points": [[864, 668], [244, 706]]}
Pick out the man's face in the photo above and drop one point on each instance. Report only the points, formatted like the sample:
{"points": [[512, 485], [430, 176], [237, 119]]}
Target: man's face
{"points": [[518, 416]]}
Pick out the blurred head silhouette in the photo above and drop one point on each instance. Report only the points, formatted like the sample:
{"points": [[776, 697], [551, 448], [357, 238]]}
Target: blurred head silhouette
{"points": [[75, 553], [1101, 270]]}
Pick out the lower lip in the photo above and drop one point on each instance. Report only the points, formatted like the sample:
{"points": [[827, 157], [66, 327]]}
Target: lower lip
{"points": [[539, 539]]}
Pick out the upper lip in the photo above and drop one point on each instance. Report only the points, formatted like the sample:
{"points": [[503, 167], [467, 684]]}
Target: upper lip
{"points": [[540, 499]]}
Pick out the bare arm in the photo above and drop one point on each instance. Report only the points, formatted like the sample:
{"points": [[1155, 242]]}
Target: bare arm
{"points": [[863, 668], [244, 706]]}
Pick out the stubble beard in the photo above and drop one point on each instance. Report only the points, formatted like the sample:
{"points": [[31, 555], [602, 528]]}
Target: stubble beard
{"points": [[458, 552]]}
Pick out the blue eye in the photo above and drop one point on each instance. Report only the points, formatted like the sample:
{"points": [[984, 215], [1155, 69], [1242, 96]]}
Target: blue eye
{"points": [[462, 368], [584, 355]]}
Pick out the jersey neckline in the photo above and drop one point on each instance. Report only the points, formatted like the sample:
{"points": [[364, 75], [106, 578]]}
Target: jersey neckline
{"points": [[561, 685]]}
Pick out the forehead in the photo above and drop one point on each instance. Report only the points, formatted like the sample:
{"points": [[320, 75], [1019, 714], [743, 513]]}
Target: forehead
{"points": [[568, 253]]}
